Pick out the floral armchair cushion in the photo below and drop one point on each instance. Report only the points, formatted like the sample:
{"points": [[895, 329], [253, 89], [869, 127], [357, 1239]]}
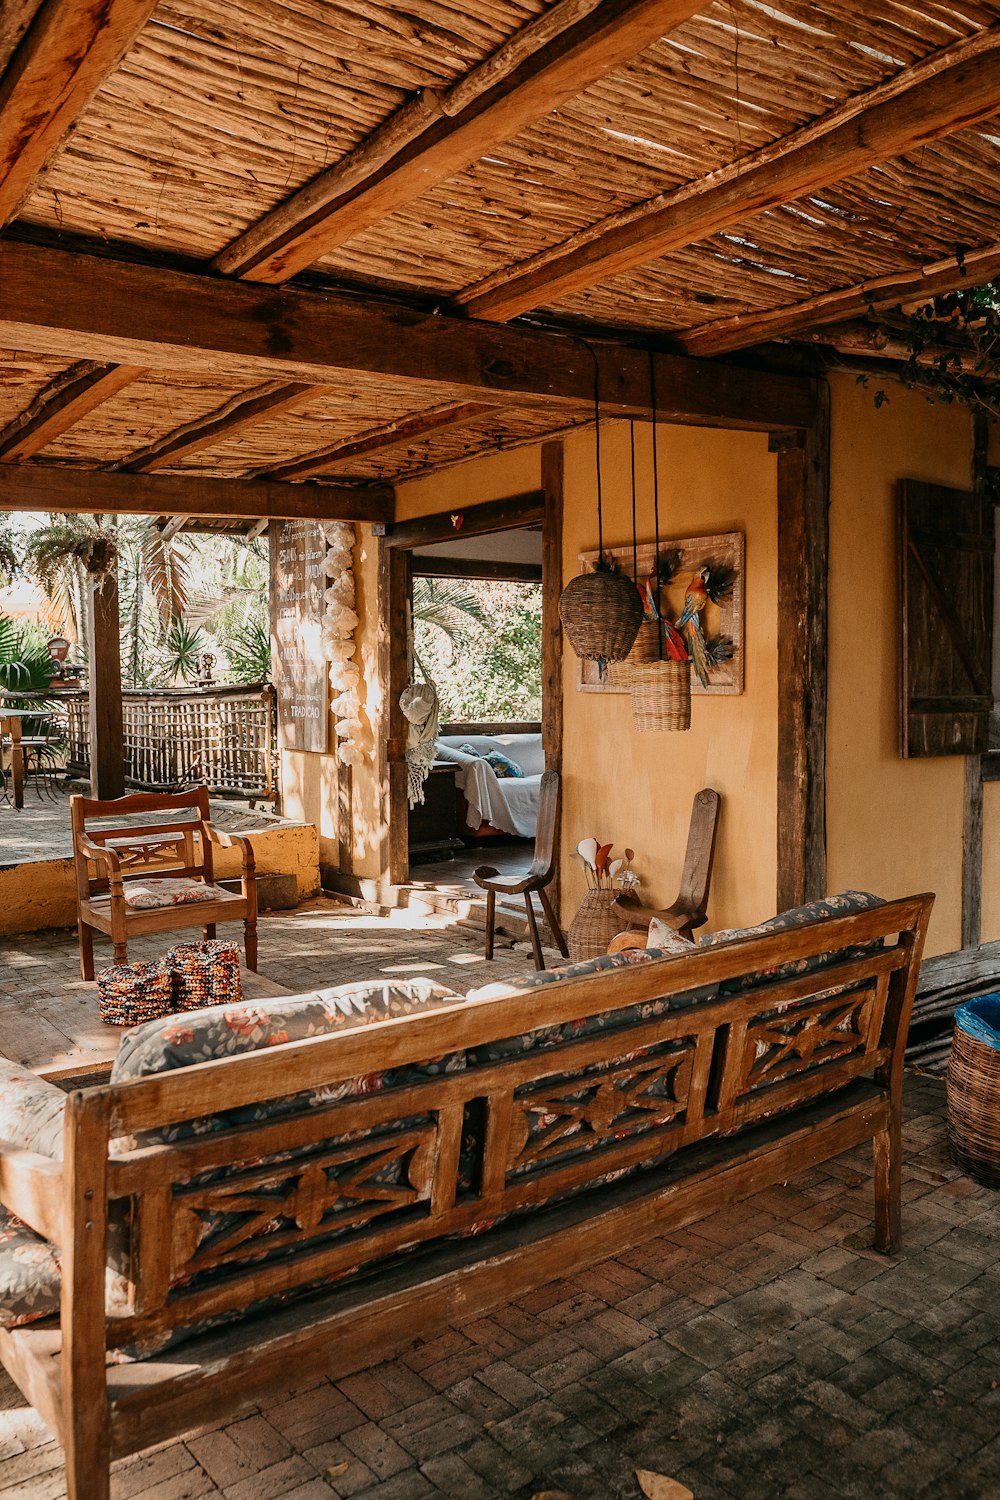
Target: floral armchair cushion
{"points": [[31, 1111], [30, 1274], [842, 905]]}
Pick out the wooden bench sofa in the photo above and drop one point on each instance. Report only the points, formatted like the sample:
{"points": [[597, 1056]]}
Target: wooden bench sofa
{"points": [[368, 1165]]}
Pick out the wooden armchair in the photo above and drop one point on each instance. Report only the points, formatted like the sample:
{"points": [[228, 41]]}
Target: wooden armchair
{"points": [[109, 860], [690, 909]]}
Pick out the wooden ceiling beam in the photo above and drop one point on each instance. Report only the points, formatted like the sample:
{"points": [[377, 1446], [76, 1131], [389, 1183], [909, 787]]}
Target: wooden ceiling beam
{"points": [[224, 422], [61, 61], [423, 424], [430, 138], [175, 524], [879, 294], [54, 301], [51, 487], [953, 89], [65, 400]]}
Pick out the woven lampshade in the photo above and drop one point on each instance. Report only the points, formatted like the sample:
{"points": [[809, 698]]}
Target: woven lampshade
{"points": [[601, 613], [661, 695]]}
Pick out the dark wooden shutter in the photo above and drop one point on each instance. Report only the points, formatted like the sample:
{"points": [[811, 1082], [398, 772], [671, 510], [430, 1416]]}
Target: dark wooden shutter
{"points": [[946, 547]]}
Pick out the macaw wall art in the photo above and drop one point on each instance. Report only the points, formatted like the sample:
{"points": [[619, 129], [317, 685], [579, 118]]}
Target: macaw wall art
{"points": [[695, 592]]}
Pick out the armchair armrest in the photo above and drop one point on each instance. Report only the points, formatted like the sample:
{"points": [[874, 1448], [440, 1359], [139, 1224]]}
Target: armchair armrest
{"points": [[99, 854], [31, 1186], [239, 841]]}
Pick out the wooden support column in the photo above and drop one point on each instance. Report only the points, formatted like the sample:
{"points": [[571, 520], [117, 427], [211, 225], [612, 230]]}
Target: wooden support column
{"points": [[552, 641], [803, 563], [394, 595], [107, 752], [972, 812]]}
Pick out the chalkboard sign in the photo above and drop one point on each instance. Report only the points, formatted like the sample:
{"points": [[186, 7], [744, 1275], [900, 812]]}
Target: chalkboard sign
{"points": [[298, 580]]}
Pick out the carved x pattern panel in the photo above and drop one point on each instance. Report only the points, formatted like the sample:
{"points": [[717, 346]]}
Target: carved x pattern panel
{"points": [[574, 1114], [150, 853], [258, 1211], [782, 1045]]}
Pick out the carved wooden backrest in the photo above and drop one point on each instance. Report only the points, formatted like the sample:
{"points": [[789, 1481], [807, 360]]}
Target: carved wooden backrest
{"points": [[226, 1219], [145, 849]]}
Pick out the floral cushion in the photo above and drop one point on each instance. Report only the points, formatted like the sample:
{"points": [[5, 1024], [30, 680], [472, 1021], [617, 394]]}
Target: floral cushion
{"points": [[30, 1274], [31, 1111], [841, 905], [571, 1031], [662, 936], [151, 895]]}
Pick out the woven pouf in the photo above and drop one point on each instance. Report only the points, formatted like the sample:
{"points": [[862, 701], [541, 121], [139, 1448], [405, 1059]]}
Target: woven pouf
{"points": [[974, 1089], [129, 994], [205, 974]]}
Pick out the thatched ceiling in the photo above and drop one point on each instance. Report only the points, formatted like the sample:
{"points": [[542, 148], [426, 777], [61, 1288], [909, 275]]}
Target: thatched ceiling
{"points": [[707, 177]]}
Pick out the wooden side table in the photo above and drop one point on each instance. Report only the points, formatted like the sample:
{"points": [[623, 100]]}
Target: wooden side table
{"points": [[433, 823]]}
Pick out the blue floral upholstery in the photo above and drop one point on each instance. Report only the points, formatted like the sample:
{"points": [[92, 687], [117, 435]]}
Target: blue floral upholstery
{"points": [[30, 1274], [31, 1111], [842, 905], [572, 1031]]}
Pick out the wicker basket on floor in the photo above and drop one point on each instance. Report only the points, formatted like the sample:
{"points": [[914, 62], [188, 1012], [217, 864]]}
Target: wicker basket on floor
{"points": [[205, 974], [661, 695], [974, 1089], [593, 927], [129, 994]]}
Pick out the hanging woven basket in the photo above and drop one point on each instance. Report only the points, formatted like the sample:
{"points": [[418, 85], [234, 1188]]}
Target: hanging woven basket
{"points": [[646, 648], [601, 613], [661, 695]]}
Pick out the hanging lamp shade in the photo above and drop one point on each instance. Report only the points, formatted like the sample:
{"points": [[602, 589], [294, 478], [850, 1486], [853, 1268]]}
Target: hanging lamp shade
{"points": [[661, 695], [601, 613]]}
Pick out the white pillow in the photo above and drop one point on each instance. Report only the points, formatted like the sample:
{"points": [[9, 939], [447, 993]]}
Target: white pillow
{"points": [[661, 935]]}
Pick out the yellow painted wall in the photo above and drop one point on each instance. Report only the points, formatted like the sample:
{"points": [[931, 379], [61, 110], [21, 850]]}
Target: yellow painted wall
{"points": [[636, 789], [511, 473], [893, 826]]}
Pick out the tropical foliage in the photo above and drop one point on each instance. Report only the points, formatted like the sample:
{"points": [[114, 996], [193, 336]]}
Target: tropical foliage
{"points": [[952, 346], [480, 643], [25, 664]]}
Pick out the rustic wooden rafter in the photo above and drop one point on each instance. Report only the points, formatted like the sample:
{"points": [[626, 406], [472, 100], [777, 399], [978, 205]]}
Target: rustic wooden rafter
{"points": [[52, 487], [61, 61], [556, 56], [65, 400], [948, 91], [80, 306], [915, 285], [224, 422], [423, 424]]}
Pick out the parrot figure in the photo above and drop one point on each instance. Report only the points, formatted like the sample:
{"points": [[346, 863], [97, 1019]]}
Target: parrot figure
{"points": [[689, 624]]}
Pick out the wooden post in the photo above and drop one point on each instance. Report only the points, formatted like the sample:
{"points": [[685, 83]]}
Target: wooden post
{"points": [[972, 817], [107, 748], [803, 563], [552, 641]]}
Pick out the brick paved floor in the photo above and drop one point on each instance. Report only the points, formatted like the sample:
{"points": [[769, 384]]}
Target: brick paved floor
{"points": [[762, 1353]]}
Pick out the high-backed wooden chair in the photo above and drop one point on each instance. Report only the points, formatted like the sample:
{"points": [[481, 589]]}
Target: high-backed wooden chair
{"points": [[536, 878], [690, 909], [111, 859]]}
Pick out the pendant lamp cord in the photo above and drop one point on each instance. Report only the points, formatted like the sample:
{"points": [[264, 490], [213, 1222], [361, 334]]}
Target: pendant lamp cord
{"points": [[597, 450], [656, 495], [635, 540]]}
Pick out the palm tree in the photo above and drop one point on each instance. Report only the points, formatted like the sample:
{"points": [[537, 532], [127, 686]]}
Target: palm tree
{"points": [[9, 560]]}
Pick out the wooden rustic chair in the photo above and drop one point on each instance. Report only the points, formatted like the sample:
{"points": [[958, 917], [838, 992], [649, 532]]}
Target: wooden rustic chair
{"points": [[109, 859], [536, 878], [690, 909]]}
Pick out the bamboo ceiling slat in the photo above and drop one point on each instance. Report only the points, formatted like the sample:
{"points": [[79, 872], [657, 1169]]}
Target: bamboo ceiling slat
{"points": [[507, 429], [220, 110], [145, 411], [735, 78]]}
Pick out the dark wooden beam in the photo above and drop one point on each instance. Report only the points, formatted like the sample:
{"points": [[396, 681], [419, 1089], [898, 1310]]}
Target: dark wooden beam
{"points": [[65, 400], [107, 742], [53, 488], [423, 424], [803, 557], [434, 136], [53, 301], [508, 514], [476, 568], [972, 813], [553, 474], [63, 58], [945, 92], [222, 423], [880, 294]]}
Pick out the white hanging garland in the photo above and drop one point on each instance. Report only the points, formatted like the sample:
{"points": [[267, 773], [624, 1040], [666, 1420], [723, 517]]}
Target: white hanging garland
{"points": [[339, 623]]}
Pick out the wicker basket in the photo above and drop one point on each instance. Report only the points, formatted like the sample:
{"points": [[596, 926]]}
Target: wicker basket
{"points": [[661, 695], [593, 927], [646, 648], [974, 1089], [601, 613], [128, 994], [205, 974]]}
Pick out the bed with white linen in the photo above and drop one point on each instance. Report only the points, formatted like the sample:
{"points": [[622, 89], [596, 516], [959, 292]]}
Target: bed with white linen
{"points": [[507, 804]]}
